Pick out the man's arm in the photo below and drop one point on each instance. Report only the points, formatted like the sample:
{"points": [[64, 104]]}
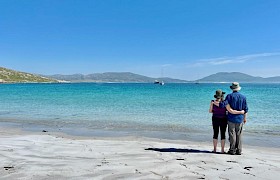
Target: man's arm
{"points": [[231, 111], [245, 118], [245, 105], [224, 103], [221, 104], [246, 111]]}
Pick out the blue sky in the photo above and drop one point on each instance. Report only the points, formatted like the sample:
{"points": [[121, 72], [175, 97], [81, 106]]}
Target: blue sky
{"points": [[186, 39]]}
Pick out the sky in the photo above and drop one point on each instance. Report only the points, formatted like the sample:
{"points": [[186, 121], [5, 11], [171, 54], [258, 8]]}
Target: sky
{"points": [[184, 39]]}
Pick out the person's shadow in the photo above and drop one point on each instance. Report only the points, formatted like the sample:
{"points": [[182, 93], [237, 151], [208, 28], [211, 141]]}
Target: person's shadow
{"points": [[178, 150]]}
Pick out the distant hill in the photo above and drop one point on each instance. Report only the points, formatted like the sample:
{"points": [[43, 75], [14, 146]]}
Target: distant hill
{"points": [[239, 77], [112, 77], [273, 79], [11, 76]]}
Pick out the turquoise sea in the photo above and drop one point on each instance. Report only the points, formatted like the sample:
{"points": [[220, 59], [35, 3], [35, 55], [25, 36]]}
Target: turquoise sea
{"points": [[172, 111]]}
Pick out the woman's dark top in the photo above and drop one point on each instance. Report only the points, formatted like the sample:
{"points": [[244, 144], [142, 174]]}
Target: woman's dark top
{"points": [[219, 112]]}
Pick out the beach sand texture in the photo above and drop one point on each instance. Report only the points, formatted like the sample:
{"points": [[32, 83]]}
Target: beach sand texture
{"points": [[47, 155]]}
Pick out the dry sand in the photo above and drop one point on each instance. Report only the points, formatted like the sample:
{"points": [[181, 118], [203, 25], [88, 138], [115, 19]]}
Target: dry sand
{"points": [[26, 155]]}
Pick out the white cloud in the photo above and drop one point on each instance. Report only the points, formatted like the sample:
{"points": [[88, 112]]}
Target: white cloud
{"points": [[226, 61], [230, 60], [166, 65]]}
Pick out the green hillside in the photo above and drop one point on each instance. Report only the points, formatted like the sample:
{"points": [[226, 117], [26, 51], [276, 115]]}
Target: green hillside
{"points": [[11, 76]]}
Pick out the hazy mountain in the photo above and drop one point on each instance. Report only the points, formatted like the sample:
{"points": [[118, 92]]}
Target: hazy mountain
{"points": [[8, 75], [112, 77], [273, 79], [11, 76], [236, 76]]}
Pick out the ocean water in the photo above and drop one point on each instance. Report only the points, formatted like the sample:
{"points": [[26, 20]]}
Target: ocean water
{"points": [[176, 111]]}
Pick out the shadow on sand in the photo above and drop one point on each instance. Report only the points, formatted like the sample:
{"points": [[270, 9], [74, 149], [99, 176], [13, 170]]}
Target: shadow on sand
{"points": [[178, 150]]}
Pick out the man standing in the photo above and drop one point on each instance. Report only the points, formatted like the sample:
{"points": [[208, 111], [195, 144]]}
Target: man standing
{"points": [[236, 101]]}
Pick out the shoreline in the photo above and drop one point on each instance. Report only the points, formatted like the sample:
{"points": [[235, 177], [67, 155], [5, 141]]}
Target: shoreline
{"points": [[55, 155], [249, 138]]}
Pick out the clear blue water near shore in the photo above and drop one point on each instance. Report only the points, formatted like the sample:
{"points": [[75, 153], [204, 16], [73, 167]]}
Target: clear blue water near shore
{"points": [[175, 111]]}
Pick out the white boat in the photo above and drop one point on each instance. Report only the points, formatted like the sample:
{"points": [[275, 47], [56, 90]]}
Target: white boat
{"points": [[156, 82]]}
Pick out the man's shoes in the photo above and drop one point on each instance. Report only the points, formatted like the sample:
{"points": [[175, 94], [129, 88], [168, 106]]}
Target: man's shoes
{"points": [[234, 153], [238, 152], [231, 152]]}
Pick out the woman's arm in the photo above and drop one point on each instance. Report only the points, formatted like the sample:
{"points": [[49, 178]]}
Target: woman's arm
{"points": [[211, 107], [231, 111]]}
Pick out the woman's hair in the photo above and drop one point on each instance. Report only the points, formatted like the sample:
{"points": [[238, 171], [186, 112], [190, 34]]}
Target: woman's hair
{"points": [[222, 98]]}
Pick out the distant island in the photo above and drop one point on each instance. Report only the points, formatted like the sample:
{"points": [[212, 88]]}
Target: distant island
{"points": [[239, 77], [125, 77], [131, 77], [12, 76]]}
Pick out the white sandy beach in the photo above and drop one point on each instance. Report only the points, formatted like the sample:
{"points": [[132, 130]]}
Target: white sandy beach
{"points": [[26, 155]]}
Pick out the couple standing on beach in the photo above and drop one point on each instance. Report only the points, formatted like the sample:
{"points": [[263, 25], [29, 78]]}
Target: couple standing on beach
{"points": [[231, 112]]}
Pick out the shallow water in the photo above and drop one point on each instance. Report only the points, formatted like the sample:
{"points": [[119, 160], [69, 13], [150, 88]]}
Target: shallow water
{"points": [[169, 111]]}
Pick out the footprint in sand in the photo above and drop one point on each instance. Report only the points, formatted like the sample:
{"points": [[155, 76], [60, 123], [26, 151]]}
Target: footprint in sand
{"points": [[248, 168]]}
